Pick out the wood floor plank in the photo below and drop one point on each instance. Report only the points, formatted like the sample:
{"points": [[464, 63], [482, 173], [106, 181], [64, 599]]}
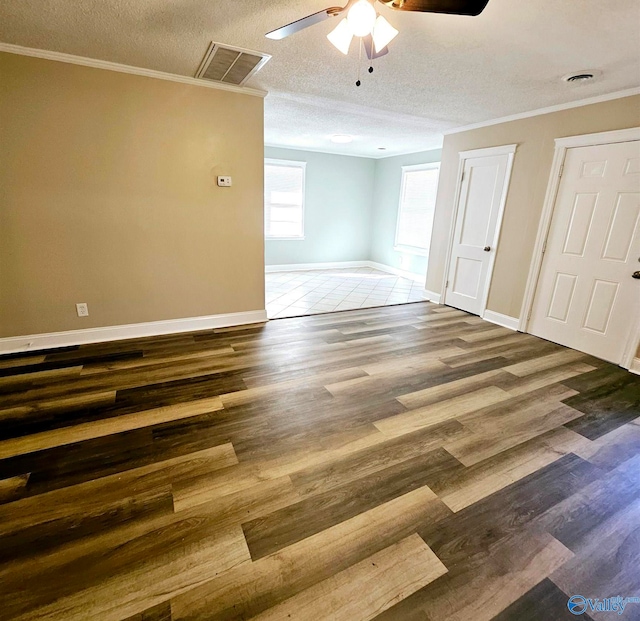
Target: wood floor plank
{"points": [[11, 488], [544, 378], [482, 589], [27, 375], [255, 587], [543, 601], [303, 519], [8, 363], [506, 425], [345, 469], [145, 361], [40, 523], [575, 519], [448, 390], [62, 404], [251, 394], [477, 528], [425, 360], [606, 407], [161, 612], [190, 561], [509, 348], [110, 500], [247, 474], [441, 411], [388, 577], [469, 485], [85, 563], [611, 450], [486, 335], [97, 429], [543, 363], [388, 383], [608, 562]]}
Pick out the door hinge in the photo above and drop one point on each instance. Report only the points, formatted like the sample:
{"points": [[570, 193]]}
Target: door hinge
{"points": [[446, 286], [464, 172], [561, 170], [544, 246]]}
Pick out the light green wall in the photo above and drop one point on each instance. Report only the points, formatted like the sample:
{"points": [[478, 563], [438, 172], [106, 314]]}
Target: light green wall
{"points": [[386, 198], [351, 208], [338, 197]]}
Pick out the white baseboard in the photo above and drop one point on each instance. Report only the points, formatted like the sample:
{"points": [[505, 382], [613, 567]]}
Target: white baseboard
{"points": [[397, 272], [502, 320], [433, 296], [303, 267], [635, 366], [34, 342]]}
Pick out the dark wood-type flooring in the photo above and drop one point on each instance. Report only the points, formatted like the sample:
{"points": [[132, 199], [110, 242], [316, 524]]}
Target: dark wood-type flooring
{"points": [[402, 463]]}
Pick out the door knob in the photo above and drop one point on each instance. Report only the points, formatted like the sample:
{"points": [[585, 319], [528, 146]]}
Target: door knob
{"points": [[636, 275], [488, 249]]}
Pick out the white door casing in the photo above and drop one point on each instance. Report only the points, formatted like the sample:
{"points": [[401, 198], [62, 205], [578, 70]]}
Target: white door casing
{"points": [[586, 297], [484, 180]]}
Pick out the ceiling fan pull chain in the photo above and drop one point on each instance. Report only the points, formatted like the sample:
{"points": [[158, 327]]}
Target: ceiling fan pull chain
{"points": [[358, 82]]}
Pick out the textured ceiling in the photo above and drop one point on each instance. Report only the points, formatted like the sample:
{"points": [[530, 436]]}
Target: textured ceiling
{"points": [[442, 72]]}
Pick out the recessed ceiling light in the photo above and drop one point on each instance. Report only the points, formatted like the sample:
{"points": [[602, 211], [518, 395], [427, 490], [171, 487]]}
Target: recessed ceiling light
{"points": [[341, 139]]}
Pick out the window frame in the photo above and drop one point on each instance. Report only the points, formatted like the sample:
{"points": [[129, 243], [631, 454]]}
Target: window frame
{"points": [[268, 161], [422, 252]]}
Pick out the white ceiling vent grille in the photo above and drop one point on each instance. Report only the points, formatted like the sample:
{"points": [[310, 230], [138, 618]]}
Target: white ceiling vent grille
{"points": [[230, 65]]}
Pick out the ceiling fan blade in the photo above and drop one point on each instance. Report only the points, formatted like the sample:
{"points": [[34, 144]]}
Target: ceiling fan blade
{"points": [[303, 23], [453, 7]]}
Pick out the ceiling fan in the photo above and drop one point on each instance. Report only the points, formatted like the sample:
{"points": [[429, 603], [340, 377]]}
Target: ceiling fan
{"points": [[375, 31]]}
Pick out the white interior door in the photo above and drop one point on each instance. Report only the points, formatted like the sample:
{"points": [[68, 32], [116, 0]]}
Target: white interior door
{"points": [[476, 232], [587, 296]]}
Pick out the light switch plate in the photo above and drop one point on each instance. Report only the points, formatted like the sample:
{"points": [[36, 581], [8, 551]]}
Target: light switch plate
{"points": [[224, 182]]}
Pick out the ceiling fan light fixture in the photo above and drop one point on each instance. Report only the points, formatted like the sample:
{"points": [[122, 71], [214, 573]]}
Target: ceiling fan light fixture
{"points": [[361, 18], [341, 36], [383, 33]]}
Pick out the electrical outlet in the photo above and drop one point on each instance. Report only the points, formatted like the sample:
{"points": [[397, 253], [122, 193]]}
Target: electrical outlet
{"points": [[224, 182], [82, 309]]}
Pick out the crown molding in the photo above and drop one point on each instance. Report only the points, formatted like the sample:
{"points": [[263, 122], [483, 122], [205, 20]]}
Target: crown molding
{"points": [[630, 92], [110, 66]]}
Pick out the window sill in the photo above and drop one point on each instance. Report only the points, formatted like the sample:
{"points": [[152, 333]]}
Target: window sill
{"points": [[411, 250], [284, 238]]}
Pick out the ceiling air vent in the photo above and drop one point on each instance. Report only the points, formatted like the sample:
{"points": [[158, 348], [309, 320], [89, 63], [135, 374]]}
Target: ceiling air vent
{"points": [[230, 65], [580, 77]]}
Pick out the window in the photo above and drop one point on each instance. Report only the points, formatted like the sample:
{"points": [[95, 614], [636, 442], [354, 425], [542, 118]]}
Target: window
{"points": [[284, 199], [417, 207]]}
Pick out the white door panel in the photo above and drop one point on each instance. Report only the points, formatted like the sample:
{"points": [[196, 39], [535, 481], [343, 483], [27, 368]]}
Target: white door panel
{"points": [[586, 297], [476, 231]]}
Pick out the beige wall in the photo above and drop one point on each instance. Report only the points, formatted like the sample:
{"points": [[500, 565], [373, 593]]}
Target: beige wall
{"points": [[532, 165], [108, 196]]}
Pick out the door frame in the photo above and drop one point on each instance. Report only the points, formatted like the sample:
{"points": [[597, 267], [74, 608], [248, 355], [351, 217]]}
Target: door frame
{"points": [[463, 156], [562, 145]]}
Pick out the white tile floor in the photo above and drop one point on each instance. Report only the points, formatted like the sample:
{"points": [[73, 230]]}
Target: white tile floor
{"points": [[292, 294]]}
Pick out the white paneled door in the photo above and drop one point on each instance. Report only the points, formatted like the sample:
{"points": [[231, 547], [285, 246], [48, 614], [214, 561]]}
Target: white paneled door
{"points": [[478, 214], [588, 294]]}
